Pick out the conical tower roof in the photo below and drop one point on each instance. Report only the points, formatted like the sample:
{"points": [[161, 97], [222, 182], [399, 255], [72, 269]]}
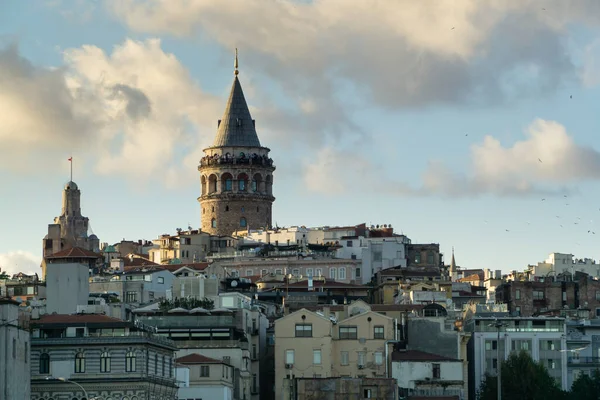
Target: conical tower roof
{"points": [[236, 127]]}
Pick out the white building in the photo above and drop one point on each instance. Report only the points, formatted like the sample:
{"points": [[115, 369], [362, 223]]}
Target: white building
{"points": [[424, 374], [202, 377], [583, 348], [543, 338], [557, 263], [14, 353], [67, 279]]}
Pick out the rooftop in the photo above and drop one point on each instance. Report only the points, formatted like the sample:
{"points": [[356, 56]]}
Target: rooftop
{"points": [[196, 358], [416, 355], [74, 252], [77, 319]]}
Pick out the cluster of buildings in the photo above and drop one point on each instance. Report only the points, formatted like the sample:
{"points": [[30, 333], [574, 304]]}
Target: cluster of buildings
{"points": [[242, 310]]}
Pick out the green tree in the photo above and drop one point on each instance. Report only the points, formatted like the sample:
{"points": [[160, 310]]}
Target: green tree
{"points": [[586, 387], [522, 379]]}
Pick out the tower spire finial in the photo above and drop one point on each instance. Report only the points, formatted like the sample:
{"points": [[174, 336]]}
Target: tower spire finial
{"points": [[235, 64]]}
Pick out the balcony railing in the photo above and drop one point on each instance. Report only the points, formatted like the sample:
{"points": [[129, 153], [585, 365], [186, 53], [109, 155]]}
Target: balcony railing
{"points": [[584, 360], [131, 337]]}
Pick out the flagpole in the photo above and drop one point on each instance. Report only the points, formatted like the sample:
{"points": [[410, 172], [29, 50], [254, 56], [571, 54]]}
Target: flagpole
{"points": [[71, 168]]}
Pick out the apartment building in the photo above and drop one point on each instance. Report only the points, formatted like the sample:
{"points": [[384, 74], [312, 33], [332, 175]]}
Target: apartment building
{"points": [[95, 356], [308, 344], [203, 377]]}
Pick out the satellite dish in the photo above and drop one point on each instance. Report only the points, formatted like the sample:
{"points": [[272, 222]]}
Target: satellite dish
{"points": [[234, 283]]}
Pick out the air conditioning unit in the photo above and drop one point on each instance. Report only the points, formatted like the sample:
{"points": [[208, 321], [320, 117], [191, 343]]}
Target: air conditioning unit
{"points": [[361, 366], [289, 366]]}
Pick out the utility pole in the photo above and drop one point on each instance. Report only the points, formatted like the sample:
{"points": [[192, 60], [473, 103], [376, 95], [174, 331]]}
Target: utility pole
{"points": [[497, 324]]}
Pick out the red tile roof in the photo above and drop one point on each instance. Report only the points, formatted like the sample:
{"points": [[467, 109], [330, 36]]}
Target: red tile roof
{"points": [[137, 262], [416, 355], [196, 358], [474, 277], [76, 319], [74, 252]]}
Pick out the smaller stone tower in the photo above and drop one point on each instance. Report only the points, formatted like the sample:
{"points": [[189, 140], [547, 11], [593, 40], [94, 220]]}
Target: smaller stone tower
{"points": [[236, 173]]}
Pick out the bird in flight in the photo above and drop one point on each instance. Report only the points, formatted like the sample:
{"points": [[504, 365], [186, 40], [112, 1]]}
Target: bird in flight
{"points": [[539, 160], [543, 199]]}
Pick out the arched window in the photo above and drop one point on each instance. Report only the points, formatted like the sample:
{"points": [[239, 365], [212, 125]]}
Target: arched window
{"points": [[212, 184], [213, 223], [203, 181], [226, 208], [79, 363], [130, 362], [243, 223], [44, 363], [155, 363], [105, 362], [332, 273], [227, 182], [242, 182], [342, 273], [256, 180]]}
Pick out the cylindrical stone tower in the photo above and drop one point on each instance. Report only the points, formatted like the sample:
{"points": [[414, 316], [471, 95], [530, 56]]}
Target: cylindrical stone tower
{"points": [[236, 173]]}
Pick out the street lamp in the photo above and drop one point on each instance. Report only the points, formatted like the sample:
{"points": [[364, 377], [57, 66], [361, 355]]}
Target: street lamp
{"points": [[48, 378], [497, 324]]}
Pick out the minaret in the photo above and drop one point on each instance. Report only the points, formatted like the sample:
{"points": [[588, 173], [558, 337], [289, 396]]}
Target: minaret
{"points": [[452, 265], [236, 173]]}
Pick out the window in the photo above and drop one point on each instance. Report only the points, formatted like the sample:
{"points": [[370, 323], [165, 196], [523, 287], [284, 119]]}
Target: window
{"points": [[518, 310], [435, 371], [550, 345], [317, 357], [243, 222], [26, 353], [367, 393], [361, 358], [105, 362], [254, 186], [160, 279], [344, 358], [289, 356], [254, 383], [538, 295], [249, 272], [597, 295], [332, 273], [204, 371], [170, 367], [348, 332], [163, 366], [155, 364], [551, 364], [378, 358], [430, 258], [418, 258], [79, 363], [378, 332], [303, 330], [357, 272], [131, 297], [278, 271], [342, 273], [296, 272], [318, 272], [14, 348], [254, 351], [241, 185], [309, 272], [518, 294], [130, 362], [44, 364], [213, 223], [228, 184], [377, 256], [349, 243]]}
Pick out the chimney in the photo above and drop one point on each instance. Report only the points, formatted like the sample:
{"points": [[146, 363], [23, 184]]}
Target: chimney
{"points": [[326, 311]]}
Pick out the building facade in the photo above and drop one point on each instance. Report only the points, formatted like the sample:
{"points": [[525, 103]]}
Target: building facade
{"points": [[543, 338], [310, 345], [236, 173], [108, 357], [14, 353], [204, 377]]}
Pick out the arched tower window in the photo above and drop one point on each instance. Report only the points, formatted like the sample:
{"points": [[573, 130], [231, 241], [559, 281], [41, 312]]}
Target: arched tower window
{"points": [[243, 222], [227, 182], [242, 182], [203, 181], [256, 182], [213, 223], [226, 208]]}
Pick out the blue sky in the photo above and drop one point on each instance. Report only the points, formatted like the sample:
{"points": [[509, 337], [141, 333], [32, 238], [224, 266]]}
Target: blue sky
{"points": [[450, 120]]}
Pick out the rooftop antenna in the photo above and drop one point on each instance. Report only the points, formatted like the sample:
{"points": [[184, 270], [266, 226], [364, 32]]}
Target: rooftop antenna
{"points": [[235, 64]]}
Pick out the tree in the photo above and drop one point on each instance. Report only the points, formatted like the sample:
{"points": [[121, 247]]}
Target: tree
{"points": [[188, 303], [586, 387], [522, 379]]}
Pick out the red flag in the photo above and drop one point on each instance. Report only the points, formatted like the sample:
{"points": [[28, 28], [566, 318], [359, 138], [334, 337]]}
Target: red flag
{"points": [[70, 158]]}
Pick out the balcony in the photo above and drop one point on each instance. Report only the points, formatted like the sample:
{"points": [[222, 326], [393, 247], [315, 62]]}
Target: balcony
{"points": [[190, 321], [585, 361]]}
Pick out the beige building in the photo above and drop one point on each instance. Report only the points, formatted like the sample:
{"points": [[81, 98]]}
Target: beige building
{"points": [[203, 377], [309, 344], [236, 173]]}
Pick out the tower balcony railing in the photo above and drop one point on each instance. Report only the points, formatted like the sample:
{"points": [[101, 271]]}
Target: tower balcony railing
{"points": [[242, 159]]}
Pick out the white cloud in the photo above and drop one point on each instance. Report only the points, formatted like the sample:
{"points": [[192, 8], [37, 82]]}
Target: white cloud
{"points": [[135, 112], [545, 162], [401, 53], [20, 261]]}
